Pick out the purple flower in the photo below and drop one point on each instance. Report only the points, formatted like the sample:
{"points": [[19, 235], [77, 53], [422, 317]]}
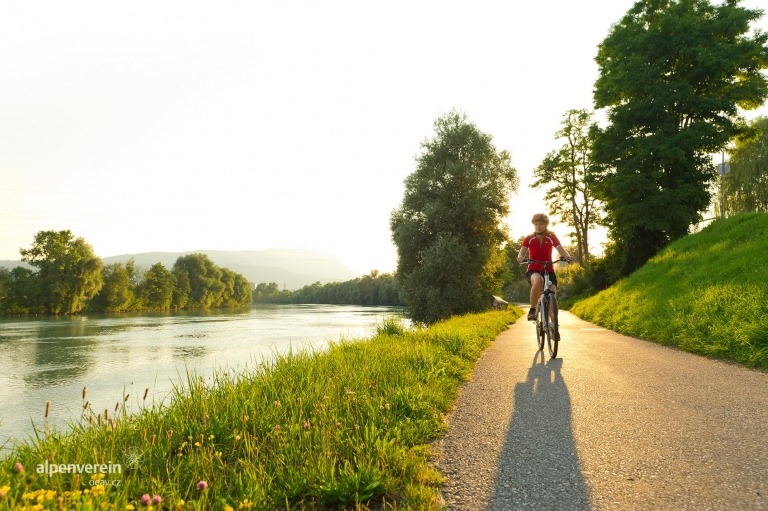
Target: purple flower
{"points": [[157, 499], [18, 468], [146, 499], [202, 485]]}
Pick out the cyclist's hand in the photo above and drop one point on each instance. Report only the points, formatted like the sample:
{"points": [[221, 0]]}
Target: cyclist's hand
{"points": [[570, 259], [520, 260]]}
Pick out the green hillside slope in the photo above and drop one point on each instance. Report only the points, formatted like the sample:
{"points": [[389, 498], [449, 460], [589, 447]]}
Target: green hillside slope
{"points": [[706, 293]]}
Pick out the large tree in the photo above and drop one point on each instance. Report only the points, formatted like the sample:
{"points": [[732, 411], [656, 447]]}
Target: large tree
{"points": [[746, 186], [672, 76], [567, 175], [448, 229], [69, 272]]}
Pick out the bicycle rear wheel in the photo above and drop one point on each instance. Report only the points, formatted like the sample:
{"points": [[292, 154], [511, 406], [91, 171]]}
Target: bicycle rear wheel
{"points": [[540, 323], [553, 333]]}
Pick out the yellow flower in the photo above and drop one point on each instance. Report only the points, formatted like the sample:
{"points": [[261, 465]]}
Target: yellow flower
{"points": [[245, 504], [197, 444], [129, 507], [228, 508]]}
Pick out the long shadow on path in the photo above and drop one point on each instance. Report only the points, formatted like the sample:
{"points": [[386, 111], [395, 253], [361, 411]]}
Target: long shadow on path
{"points": [[539, 466]]}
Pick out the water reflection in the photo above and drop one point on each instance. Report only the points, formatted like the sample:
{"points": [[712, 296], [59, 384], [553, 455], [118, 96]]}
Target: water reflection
{"points": [[52, 359]]}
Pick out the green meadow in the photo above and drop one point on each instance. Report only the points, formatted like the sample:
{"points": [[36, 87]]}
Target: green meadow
{"points": [[706, 293], [344, 428]]}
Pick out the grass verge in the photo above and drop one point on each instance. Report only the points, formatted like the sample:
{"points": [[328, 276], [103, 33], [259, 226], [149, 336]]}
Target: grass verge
{"points": [[707, 293], [345, 428]]}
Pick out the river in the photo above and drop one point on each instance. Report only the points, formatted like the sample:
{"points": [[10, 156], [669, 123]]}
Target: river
{"points": [[54, 358]]}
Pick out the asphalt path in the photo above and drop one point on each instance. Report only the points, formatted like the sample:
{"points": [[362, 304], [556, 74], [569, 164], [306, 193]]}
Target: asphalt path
{"points": [[612, 423]]}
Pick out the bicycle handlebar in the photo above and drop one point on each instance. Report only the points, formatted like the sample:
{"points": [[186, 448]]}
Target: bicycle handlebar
{"points": [[545, 263]]}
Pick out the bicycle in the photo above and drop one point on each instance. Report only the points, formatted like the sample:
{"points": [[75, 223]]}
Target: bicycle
{"points": [[546, 311]]}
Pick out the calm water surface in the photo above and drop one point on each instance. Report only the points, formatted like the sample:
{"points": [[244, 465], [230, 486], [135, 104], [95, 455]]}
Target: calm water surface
{"points": [[52, 359]]}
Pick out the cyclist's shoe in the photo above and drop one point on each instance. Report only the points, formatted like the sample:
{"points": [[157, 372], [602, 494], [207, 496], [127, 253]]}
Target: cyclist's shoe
{"points": [[532, 315]]}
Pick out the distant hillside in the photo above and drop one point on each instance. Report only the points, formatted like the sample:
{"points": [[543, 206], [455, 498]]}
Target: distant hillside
{"points": [[706, 293], [292, 268]]}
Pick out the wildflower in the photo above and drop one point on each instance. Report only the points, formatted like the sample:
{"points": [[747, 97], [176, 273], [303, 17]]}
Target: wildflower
{"points": [[129, 507], [277, 427], [228, 508], [202, 485], [4, 491], [18, 468], [245, 504], [146, 499], [338, 424], [211, 437], [306, 425], [197, 444], [157, 499]]}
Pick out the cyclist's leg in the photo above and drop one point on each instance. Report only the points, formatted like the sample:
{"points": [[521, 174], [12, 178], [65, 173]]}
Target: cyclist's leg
{"points": [[537, 284]]}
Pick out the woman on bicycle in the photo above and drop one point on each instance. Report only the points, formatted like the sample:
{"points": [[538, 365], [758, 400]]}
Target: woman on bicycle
{"points": [[539, 246]]}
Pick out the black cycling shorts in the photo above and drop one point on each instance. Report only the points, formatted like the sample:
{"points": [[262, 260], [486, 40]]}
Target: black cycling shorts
{"points": [[552, 276]]}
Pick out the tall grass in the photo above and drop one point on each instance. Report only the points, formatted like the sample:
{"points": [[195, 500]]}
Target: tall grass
{"points": [[706, 293], [346, 428]]}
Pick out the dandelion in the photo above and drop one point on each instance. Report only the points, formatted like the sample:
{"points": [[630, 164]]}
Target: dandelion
{"points": [[18, 467], [4, 491], [129, 507], [202, 485], [146, 499], [157, 499], [245, 504]]}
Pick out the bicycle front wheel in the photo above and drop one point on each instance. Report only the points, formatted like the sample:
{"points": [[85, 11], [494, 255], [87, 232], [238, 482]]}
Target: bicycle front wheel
{"points": [[553, 333], [541, 323]]}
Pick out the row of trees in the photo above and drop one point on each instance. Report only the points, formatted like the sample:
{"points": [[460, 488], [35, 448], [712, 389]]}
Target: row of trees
{"points": [[68, 279], [372, 289], [673, 78]]}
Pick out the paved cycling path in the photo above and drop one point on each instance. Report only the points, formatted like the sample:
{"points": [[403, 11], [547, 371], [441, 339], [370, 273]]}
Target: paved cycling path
{"points": [[612, 423]]}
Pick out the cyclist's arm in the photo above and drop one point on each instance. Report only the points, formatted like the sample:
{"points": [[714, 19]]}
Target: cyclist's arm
{"points": [[563, 253], [522, 255]]}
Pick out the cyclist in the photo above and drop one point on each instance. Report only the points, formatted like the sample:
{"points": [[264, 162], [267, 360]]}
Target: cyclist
{"points": [[539, 246]]}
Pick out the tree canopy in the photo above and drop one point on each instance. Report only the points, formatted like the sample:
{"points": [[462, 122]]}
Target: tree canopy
{"points": [[567, 175], [448, 229], [672, 76], [746, 186], [68, 269]]}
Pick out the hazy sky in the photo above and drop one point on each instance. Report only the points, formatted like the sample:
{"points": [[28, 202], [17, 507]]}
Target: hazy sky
{"points": [[191, 125]]}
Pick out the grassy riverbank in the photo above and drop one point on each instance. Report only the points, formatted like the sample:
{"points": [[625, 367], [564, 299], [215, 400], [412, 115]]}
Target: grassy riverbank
{"points": [[705, 293], [345, 428]]}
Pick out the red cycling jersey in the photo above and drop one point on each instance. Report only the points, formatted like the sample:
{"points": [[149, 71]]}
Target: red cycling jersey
{"points": [[541, 250]]}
